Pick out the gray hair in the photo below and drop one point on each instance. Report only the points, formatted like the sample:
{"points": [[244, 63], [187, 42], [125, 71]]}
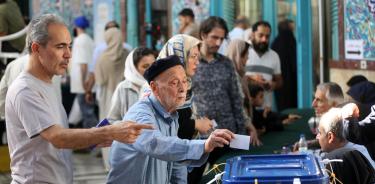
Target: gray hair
{"points": [[38, 29], [333, 92], [331, 121]]}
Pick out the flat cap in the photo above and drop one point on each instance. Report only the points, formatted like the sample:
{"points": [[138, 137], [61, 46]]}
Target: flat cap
{"points": [[160, 66]]}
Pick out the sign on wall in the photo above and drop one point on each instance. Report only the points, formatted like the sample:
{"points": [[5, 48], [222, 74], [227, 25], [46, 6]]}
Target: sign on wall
{"points": [[359, 18]]}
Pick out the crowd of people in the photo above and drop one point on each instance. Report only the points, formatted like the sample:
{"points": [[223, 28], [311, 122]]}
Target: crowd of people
{"points": [[169, 113]]}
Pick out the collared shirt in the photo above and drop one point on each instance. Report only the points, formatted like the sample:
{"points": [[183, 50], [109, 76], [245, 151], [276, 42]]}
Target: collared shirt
{"points": [[150, 159], [217, 94]]}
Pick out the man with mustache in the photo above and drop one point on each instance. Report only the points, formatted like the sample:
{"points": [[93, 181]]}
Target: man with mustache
{"points": [[263, 65], [36, 122]]}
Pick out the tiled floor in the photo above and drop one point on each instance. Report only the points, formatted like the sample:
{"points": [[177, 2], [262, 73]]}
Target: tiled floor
{"points": [[89, 169]]}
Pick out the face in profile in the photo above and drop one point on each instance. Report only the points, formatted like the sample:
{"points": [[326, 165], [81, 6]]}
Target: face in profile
{"points": [[320, 103], [322, 138], [144, 63], [192, 61]]}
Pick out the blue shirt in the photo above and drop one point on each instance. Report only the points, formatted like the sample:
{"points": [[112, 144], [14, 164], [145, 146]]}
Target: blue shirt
{"points": [[151, 158]]}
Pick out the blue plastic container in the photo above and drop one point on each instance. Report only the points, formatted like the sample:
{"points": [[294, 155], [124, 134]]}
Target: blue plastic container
{"points": [[279, 169]]}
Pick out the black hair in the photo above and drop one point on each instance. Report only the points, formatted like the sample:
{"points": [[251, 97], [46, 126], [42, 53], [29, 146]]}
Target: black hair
{"points": [[111, 24], [260, 23], [139, 53], [187, 12], [255, 89], [210, 23], [355, 80]]}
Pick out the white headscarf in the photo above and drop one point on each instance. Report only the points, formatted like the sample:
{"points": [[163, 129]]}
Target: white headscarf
{"points": [[131, 73]]}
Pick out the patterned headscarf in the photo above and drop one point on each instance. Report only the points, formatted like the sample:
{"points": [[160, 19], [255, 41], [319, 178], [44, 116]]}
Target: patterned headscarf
{"points": [[180, 46]]}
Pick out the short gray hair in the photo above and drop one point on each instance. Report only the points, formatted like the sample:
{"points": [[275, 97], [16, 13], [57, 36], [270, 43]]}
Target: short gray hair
{"points": [[331, 121], [38, 29], [333, 92]]}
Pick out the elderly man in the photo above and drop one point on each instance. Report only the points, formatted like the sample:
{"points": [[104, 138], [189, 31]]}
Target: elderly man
{"points": [[327, 95], [331, 135], [38, 134], [151, 158]]}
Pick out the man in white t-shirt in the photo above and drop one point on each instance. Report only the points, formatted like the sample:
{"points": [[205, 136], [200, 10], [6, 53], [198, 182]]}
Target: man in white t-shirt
{"points": [[82, 52], [242, 23], [263, 65], [38, 135]]}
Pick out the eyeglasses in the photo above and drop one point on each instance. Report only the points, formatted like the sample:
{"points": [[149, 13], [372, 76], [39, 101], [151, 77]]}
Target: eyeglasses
{"points": [[195, 56]]}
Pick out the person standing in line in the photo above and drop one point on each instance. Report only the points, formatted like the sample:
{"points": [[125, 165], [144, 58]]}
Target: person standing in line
{"points": [[187, 23], [187, 49], [215, 86], [127, 91], [82, 51], [263, 65], [238, 51], [109, 69], [37, 126], [151, 159]]}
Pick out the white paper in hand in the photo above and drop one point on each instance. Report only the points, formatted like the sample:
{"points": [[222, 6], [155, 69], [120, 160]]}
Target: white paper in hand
{"points": [[240, 142], [214, 124]]}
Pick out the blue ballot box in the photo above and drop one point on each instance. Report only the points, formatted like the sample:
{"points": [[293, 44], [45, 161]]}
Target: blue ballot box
{"points": [[281, 169]]}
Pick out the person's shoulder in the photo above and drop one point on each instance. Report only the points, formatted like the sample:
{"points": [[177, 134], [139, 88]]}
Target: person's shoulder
{"points": [[141, 112], [226, 61], [20, 85], [272, 53], [142, 106]]}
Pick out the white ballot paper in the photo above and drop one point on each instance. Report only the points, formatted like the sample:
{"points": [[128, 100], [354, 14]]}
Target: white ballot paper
{"points": [[240, 142], [214, 124]]}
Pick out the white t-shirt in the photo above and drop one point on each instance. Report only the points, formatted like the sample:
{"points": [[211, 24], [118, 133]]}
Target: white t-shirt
{"points": [[12, 71], [82, 52], [31, 107], [236, 33], [267, 65]]}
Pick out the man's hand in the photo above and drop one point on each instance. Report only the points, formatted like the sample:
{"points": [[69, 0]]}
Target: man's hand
{"points": [[203, 125], [218, 138], [127, 132], [89, 98], [291, 118], [350, 110]]}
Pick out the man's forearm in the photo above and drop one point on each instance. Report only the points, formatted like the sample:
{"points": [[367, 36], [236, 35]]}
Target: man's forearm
{"points": [[77, 138]]}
